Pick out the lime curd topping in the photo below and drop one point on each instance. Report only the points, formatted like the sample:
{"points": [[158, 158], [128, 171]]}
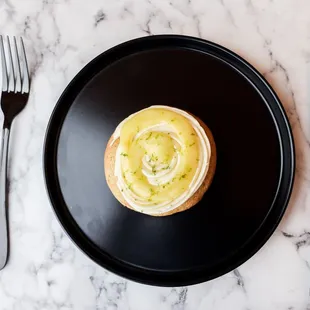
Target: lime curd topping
{"points": [[162, 158]]}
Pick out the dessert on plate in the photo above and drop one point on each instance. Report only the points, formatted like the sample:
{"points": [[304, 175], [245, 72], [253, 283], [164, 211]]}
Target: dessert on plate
{"points": [[160, 161]]}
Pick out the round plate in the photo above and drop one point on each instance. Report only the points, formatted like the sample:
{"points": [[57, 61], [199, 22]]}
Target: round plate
{"points": [[255, 162]]}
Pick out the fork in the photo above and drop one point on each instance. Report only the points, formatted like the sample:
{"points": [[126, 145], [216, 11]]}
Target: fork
{"points": [[15, 92]]}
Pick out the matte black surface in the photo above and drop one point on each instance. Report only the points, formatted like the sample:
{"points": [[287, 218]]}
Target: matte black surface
{"points": [[255, 163]]}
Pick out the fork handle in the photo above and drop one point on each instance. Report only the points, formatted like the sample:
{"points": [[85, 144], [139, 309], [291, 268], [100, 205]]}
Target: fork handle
{"points": [[4, 237]]}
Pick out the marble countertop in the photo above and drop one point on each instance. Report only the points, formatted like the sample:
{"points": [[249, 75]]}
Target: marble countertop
{"points": [[46, 271]]}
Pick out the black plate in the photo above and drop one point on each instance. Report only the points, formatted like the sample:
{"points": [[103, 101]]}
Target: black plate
{"points": [[255, 164]]}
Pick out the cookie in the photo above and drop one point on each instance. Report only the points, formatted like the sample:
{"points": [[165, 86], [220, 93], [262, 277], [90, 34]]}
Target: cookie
{"points": [[109, 167]]}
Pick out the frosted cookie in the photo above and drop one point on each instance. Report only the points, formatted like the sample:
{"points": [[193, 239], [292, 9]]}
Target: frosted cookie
{"points": [[160, 160]]}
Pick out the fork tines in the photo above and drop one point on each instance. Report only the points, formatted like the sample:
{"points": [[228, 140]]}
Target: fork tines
{"points": [[14, 67]]}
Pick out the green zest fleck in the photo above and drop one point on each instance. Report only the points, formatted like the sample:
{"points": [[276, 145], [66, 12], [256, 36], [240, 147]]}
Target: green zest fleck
{"points": [[153, 157], [149, 136], [183, 176], [173, 120], [192, 134], [192, 144], [124, 154]]}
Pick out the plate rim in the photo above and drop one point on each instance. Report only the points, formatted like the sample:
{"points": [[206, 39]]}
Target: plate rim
{"points": [[126, 270]]}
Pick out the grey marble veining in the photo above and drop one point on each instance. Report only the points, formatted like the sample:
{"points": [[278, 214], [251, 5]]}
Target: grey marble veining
{"points": [[46, 271]]}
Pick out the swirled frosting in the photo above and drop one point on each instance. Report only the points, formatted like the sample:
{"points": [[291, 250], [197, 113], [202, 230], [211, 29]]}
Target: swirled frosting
{"points": [[162, 158]]}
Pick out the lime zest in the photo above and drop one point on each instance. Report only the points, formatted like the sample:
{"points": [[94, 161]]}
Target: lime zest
{"points": [[149, 136]]}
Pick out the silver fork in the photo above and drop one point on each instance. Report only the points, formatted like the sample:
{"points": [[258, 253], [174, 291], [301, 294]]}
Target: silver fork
{"points": [[15, 92]]}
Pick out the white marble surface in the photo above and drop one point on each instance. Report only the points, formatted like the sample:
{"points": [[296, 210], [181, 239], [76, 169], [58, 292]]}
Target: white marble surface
{"points": [[45, 270]]}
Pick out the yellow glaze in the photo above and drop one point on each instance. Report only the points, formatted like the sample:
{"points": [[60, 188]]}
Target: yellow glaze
{"points": [[162, 158]]}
